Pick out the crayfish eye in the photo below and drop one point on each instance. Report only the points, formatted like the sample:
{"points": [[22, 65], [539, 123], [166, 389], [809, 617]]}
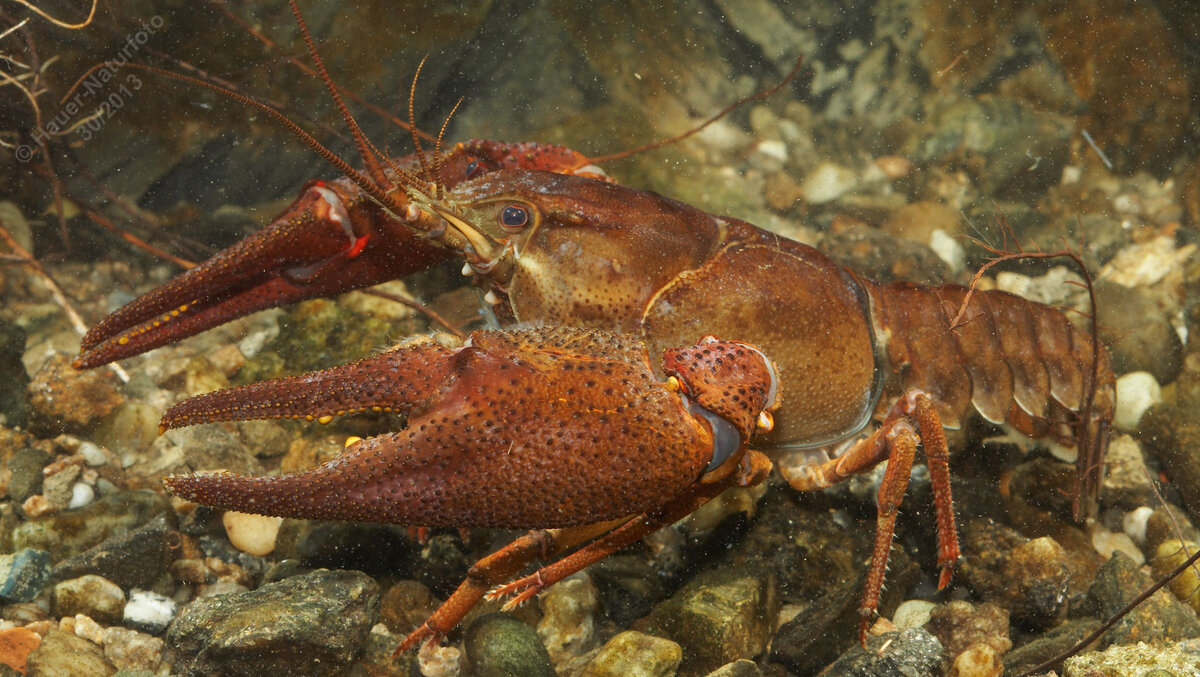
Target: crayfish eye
{"points": [[473, 169], [514, 217]]}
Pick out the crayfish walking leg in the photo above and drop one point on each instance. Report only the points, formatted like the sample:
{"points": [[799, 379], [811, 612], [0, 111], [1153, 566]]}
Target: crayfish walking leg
{"points": [[896, 442]]}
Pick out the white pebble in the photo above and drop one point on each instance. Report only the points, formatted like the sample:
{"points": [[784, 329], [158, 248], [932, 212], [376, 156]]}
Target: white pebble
{"points": [[81, 494], [947, 249], [92, 454], [149, 611], [1105, 542], [913, 613], [253, 534], [1134, 523], [827, 182], [1136, 392]]}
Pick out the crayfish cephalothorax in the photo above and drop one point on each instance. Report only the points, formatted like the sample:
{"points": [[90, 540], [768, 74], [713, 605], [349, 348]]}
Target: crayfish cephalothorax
{"points": [[530, 429]]}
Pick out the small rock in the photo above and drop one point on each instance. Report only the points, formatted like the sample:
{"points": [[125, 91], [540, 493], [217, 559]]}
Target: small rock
{"points": [[83, 626], [38, 506], [1048, 645], [959, 625], [977, 660], [628, 587], [913, 613], [57, 487], [1137, 391], [1106, 542], [91, 595], [718, 617], [1168, 522], [827, 182], [568, 624], [132, 650], [253, 534], [62, 653], [14, 409], [1169, 555], [133, 560], [149, 611], [1138, 334], [909, 652], [1028, 577], [1133, 659], [1126, 481], [405, 606], [82, 494], [499, 645], [634, 654], [322, 618], [69, 533], [918, 220], [22, 574], [1134, 523], [66, 400], [15, 646], [1161, 617], [738, 668], [26, 465]]}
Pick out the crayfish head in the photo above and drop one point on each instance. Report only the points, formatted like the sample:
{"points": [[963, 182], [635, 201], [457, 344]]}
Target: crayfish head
{"points": [[730, 379]]}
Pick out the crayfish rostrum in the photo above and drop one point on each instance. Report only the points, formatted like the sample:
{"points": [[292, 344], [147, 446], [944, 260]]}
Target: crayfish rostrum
{"points": [[566, 426]]}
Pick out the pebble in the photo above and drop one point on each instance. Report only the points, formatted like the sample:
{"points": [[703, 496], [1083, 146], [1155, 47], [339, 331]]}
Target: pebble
{"points": [[83, 626], [133, 560], [56, 487], [92, 454], [719, 616], [91, 595], [1134, 523], [26, 465], [635, 654], [131, 650], [23, 573], [1157, 659], [1169, 555], [568, 625], [913, 613], [322, 617], [895, 654], [149, 611], [1162, 617], [1028, 577], [1126, 480], [82, 494], [1138, 332], [38, 506], [1137, 391], [66, 400], [15, 646], [67, 534], [62, 653], [500, 645], [827, 182], [960, 625], [252, 534], [1106, 542], [405, 606]]}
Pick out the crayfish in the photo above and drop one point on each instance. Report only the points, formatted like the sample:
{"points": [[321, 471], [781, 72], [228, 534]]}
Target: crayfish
{"points": [[566, 426]]}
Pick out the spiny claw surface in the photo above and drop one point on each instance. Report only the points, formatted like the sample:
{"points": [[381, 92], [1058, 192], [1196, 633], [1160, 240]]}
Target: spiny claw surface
{"points": [[541, 428]]}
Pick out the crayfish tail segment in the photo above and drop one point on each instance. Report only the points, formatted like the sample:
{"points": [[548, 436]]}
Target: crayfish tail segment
{"points": [[393, 381], [329, 241]]}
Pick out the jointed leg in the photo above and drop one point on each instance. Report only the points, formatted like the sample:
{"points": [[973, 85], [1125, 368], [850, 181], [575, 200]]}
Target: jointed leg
{"points": [[896, 442], [495, 568]]}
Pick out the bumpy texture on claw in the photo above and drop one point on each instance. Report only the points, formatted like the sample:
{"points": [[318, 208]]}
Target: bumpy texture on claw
{"points": [[579, 414]]}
